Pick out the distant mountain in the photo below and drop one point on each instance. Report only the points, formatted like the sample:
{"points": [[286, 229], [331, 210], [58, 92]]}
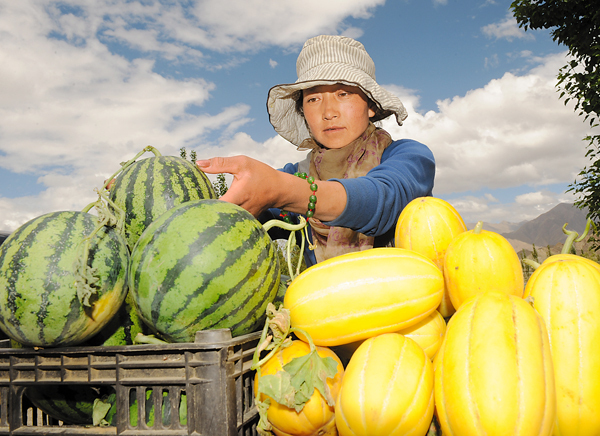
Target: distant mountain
{"points": [[503, 227], [543, 231], [546, 229]]}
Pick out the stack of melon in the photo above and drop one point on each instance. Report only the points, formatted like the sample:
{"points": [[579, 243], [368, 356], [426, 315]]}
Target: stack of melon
{"points": [[190, 262], [513, 360], [162, 256]]}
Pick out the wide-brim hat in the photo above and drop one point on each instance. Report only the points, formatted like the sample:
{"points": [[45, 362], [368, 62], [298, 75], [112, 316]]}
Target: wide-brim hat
{"points": [[327, 60]]}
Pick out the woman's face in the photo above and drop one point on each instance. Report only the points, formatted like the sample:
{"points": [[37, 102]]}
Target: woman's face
{"points": [[336, 114]]}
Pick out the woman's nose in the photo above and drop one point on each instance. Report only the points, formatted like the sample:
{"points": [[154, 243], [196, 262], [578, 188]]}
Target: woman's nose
{"points": [[330, 108]]}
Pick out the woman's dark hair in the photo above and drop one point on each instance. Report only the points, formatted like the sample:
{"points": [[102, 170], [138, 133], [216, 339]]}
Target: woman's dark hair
{"points": [[298, 98]]}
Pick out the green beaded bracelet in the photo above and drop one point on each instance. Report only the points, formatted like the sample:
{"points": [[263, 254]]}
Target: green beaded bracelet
{"points": [[312, 200]]}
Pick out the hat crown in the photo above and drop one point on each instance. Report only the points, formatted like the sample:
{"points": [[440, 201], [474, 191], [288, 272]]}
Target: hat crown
{"points": [[332, 49]]}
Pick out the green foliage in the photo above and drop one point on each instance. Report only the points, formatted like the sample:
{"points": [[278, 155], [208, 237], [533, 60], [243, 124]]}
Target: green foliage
{"points": [[220, 185], [534, 254], [527, 269], [575, 24]]}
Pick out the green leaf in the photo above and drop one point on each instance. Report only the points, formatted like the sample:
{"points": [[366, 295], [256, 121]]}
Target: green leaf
{"points": [[264, 427], [278, 386], [99, 411], [310, 372], [295, 385]]}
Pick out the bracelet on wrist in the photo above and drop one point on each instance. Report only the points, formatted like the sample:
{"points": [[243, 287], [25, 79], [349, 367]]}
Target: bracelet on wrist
{"points": [[312, 200]]}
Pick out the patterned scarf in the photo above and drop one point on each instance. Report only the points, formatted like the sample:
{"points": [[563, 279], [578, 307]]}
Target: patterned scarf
{"points": [[351, 161]]}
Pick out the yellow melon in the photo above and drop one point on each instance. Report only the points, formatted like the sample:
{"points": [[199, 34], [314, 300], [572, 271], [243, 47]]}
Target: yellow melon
{"points": [[479, 261], [362, 294], [493, 373], [427, 225], [428, 333], [316, 418], [387, 389], [566, 292]]}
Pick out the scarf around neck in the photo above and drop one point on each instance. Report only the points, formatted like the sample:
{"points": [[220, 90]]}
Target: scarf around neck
{"points": [[354, 160]]}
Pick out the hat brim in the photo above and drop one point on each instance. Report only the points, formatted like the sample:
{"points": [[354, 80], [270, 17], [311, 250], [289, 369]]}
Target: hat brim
{"points": [[290, 124]]}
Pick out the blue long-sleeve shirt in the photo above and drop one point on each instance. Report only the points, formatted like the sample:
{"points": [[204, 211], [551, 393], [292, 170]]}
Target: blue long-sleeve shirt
{"points": [[374, 201]]}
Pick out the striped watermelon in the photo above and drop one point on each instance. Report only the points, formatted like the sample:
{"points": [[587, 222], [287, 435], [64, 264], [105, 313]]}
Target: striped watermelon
{"points": [[39, 302], [202, 265], [148, 188], [72, 404], [76, 404]]}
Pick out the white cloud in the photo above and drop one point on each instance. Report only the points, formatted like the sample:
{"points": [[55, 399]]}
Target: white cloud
{"points": [[525, 207], [512, 132], [507, 29], [536, 198], [174, 31], [272, 63]]}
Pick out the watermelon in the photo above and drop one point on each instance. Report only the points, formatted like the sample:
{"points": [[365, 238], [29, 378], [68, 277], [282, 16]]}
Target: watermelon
{"points": [[147, 188], [72, 404], [76, 405], [40, 303], [204, 264], [149, 412]]}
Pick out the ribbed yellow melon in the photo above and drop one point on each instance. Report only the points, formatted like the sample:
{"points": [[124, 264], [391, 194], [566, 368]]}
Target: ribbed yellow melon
{"points": [[568, 256], [362, 294], [316, 417], [387, 389], [427, 225], [566, 292], [479, 261], [427, 333], [493, 373]]}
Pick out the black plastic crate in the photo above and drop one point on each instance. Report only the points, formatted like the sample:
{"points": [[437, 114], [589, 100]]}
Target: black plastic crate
{"points": [[214, 373]]}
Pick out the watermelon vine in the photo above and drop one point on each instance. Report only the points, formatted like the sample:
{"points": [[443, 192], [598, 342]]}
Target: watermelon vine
{"points": [[86, 277]]}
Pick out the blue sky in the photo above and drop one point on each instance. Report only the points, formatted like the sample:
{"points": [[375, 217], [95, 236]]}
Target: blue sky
{"points": [[85, 85]]}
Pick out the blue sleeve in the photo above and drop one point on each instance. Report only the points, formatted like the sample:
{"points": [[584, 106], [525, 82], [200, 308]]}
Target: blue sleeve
{"points": [[289, 168], [374, 201]]}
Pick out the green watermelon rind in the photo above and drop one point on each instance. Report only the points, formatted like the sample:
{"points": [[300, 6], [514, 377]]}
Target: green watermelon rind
{"points": [[205, 264], [149, 187], [38, 294]]}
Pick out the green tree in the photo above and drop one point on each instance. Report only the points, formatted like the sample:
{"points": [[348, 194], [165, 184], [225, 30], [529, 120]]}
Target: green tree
{"points": [[220, 185], [575, 24], [527, 270]]}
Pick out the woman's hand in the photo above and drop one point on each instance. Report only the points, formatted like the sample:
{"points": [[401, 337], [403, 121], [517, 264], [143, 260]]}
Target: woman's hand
{"points": [[257, 186], [252, 185]]}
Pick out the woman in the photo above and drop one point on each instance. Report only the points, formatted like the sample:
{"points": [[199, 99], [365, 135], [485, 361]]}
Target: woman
{"points": [[364, 178]]}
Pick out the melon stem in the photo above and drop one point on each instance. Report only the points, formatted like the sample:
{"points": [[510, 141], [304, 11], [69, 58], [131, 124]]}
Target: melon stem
{"points": [[573, 236], [478, 227], [291, 241], [129, 163]]}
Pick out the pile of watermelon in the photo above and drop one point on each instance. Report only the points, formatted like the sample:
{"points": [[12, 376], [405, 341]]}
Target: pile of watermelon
{"points": [[161, 256]]}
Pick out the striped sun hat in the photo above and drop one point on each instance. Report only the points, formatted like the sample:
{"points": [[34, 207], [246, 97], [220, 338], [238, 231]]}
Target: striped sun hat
{"points": [[327, 60]]}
